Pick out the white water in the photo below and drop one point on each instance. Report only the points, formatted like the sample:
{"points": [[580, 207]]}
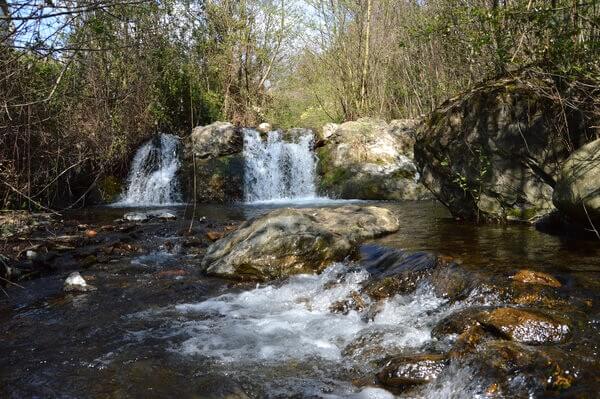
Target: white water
{"points": [[279, 171], [292, 323], [153, 176], [285, 338]]}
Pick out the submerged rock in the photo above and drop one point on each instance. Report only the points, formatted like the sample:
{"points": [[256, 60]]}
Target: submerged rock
{"points": [[518, 370], [369, 159], [404, 372], [534, 277], [525, 326], [577, 191], [291, 241], [398, 272], [456, 323], [76, 283]]}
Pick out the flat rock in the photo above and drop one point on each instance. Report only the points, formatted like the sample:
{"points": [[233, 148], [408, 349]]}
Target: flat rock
{"points": [[292, 241]]}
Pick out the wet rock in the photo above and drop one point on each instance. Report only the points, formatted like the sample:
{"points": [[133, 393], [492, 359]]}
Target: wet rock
{"points": [[76, 283], [166, 216], [90, 233], [291, 241], [89, 261], [469, 340], [366, 347], [451, 281], [136, 217], [369, 159], [404, 372], [146, 216], [214, 235], [518, 370], [525, 326], [219, 387], [577, 191], [534, 277], [355, 302], [456, 323], [396, 271]]}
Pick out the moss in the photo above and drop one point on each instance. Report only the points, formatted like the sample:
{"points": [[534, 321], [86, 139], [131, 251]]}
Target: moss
{"points": [[524, 213], [403, 174], [109, 188]]}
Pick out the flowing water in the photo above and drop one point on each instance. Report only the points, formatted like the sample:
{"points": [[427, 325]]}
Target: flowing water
{"points": [[156, 328], [153, 176], [277, 170]]}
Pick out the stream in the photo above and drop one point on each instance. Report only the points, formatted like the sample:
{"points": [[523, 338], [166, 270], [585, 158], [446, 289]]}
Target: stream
{"points": [[156, 327]]}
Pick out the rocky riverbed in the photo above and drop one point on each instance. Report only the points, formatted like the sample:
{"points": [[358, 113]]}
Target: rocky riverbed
{"points": [[434, 308]]}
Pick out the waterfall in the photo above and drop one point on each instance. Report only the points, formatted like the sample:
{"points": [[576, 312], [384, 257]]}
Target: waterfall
{"points": [[279, 170], [153, 176]]}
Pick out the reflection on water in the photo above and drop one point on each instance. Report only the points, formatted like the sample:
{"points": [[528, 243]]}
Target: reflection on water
{"points": [[146, 335]]}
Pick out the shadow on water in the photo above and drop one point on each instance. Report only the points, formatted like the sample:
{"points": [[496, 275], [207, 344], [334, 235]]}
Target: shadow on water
{"points": [[149, 334]]}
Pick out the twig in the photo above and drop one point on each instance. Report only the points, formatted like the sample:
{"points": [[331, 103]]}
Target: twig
{"points": [[195, 200], [12, 283], [590, 220], [31, 199]]}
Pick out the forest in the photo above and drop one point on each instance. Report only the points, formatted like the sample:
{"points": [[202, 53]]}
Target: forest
{"points": [[83, 83]]}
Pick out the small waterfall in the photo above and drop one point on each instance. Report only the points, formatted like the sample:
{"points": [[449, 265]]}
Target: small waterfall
{"points": [[153, 176], [278, 170]]}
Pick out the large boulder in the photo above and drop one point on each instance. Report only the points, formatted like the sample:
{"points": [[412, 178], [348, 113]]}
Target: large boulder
{"points": [[369, 159], [217, 152], [495, 153], [577, 192], [291, 241]]}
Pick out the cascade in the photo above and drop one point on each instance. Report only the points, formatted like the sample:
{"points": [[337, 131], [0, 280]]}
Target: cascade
{"points": [[153, 176], [276, 169]]}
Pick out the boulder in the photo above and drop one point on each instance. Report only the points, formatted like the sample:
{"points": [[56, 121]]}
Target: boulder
{"points": [[368, 159], [494, 154], [216, 150], [291, 241], [577, 191], [403, 372], [216, 140], [525, 326]]}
